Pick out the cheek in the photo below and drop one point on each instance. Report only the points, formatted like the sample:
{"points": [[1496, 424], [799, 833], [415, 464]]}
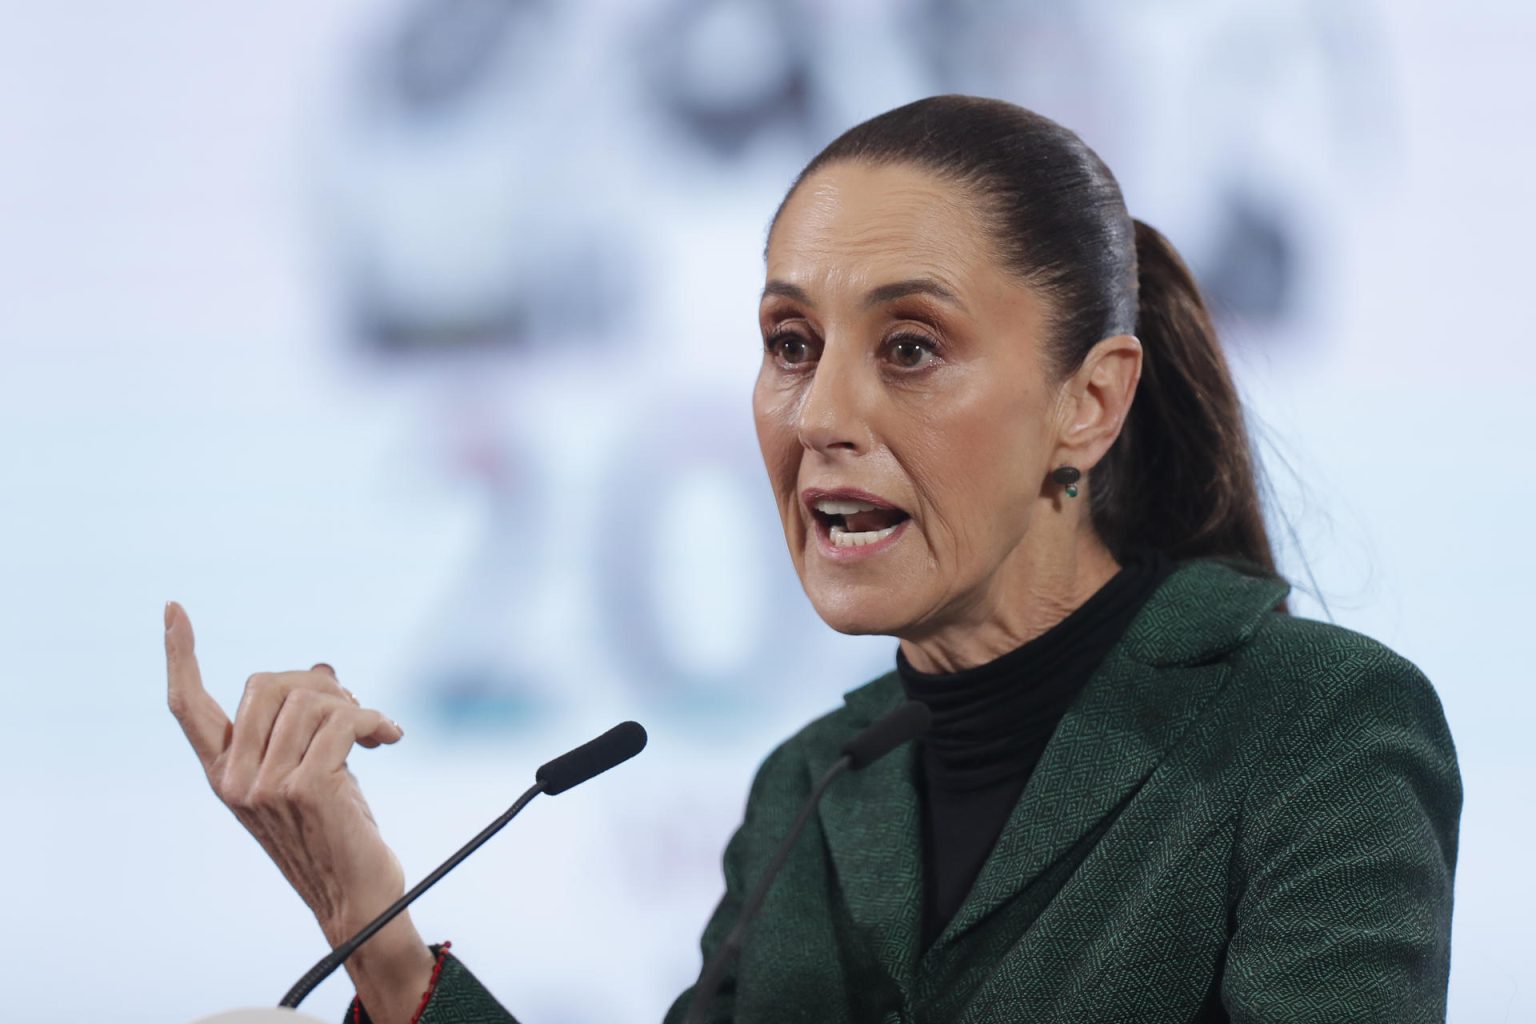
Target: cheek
{"points": [[975, 469], [773, 416]]}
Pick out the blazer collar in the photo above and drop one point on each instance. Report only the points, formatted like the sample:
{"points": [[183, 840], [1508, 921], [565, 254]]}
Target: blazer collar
{"points": [[1151, 685]]}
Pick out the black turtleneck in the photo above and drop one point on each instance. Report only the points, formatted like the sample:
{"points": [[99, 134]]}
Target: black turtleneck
{"points": [[991, 723]]}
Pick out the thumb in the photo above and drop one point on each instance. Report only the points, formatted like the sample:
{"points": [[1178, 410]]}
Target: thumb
{"points": [[205, 724]]}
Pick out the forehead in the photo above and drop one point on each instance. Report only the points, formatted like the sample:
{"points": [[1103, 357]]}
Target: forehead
{"points": [[855, 224]]}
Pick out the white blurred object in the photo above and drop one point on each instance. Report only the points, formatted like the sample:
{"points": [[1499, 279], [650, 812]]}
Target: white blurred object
{"points": [[267, 1015]]}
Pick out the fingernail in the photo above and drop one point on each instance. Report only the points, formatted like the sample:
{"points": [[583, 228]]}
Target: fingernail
{"points": [[351, 696], [321, 666], [168, 615], [398, 727]]}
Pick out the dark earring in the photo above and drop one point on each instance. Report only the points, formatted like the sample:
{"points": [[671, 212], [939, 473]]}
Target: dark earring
{"points": [[1068, 475]]}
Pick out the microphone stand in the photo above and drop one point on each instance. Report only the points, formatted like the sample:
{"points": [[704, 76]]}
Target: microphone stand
{"points": [[907, 722], [709, 981], [570, 769], [335, 957]]}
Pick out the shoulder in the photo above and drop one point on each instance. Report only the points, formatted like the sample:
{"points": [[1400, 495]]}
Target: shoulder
{"points": [[1289, 683], [1326, 740], [1218, 611], [1338, 715], [1319, 670], [1345, 812]]}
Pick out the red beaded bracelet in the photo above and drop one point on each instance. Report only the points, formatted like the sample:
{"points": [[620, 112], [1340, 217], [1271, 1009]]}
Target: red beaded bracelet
{"points": [[426, 997]]}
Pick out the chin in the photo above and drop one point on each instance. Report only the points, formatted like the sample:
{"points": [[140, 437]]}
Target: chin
{"points": [[857, 611]]}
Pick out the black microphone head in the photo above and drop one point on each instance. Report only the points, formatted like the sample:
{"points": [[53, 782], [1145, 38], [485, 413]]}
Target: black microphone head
{"points": [[907, 722], [593, 757]]}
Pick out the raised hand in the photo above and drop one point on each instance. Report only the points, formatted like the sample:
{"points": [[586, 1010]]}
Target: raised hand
{"points": [[281, 767]]}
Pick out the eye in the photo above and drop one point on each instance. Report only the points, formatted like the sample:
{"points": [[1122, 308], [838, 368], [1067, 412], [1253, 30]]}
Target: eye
{"points": [[910, 351], [791, 348]]}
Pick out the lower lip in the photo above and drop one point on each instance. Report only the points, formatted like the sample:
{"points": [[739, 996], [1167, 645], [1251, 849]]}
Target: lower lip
{"points": [[851, 552]]}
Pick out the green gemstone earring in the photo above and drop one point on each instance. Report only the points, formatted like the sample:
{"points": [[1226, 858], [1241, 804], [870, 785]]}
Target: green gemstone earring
{"points": [[1068, 475]]}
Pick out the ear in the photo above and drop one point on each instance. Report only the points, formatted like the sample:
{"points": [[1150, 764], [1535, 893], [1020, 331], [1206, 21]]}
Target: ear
{"points": [[1095, 401]]}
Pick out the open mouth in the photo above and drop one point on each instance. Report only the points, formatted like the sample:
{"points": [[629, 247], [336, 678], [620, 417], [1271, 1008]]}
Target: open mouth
{"points": [[852, 524]]}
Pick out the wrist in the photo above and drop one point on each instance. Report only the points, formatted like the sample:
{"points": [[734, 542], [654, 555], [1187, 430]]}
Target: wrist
{"points": [[391, 972]]}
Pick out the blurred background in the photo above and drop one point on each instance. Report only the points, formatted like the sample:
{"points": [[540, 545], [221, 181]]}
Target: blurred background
{"points": [[417, 337]]}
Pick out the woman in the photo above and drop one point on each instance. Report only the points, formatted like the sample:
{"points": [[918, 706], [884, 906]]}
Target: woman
{"points": [[1149, 794]]}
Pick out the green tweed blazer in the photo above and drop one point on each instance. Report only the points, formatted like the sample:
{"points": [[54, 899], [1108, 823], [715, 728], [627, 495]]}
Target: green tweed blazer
{"points": [[1246, 816]]}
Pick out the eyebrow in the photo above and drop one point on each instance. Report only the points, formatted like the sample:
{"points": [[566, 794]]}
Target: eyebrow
{"points": [[877, 296]]}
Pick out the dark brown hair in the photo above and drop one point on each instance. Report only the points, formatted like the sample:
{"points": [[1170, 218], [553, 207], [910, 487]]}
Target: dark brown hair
{"points": [[1181, 476]]}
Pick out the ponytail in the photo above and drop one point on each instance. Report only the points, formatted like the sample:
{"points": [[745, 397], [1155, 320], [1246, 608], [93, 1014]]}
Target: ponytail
{"points": [[1181, 476]]}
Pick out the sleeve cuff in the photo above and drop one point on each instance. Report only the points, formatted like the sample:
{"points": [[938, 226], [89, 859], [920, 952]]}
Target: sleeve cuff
{"points": [[357, 1015]]}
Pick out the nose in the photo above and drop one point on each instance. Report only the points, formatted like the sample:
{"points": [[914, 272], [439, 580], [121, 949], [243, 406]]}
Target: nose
{"points": [[832, 415]]}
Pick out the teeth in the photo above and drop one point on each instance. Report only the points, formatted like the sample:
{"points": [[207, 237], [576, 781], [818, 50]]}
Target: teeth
{"points": [[843, 508], [843, 539]]}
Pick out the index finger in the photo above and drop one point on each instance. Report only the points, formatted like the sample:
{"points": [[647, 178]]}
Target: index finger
{"points": [[207, 726]]}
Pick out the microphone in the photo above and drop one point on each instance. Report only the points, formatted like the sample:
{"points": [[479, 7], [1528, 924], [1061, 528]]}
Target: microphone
{"points": [[570, 769], [907, 722], [593, 757], [884, 735]]}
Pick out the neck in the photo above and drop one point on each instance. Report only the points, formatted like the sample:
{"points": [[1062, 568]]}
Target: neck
{"points": [[1035, 588]]}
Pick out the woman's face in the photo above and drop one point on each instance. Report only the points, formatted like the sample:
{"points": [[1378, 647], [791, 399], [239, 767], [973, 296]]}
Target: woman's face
{"points": [[903, 407]]}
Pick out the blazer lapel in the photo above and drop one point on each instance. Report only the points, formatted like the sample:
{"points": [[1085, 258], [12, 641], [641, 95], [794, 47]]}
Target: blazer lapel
{"points": [[1103, 750], [1149, 689], [873, 828]]}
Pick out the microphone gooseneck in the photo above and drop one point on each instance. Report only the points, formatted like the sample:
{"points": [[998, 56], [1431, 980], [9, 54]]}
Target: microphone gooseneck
{"points": [[570, 769], [885, 734]]}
